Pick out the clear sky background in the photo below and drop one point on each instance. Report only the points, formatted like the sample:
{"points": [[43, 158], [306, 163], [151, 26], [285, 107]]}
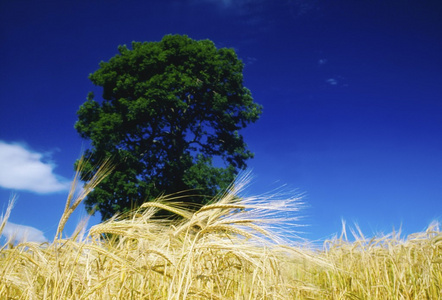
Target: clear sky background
{"points": [[352, 96]]}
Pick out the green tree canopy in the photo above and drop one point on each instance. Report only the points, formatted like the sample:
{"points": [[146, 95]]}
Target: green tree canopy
{"points": [[169, 119]]}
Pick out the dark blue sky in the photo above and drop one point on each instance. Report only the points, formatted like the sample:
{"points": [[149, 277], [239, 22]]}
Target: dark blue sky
{"points": [[352, 96]]}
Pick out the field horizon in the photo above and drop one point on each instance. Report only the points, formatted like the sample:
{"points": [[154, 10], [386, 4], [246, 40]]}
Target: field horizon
{"points": [[232, 248]]}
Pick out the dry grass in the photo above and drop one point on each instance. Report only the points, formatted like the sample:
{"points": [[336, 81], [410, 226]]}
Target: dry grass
{"points": [[230, 249]]}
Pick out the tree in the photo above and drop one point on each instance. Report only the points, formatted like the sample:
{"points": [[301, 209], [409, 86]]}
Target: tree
{"points": [[169, 119]]}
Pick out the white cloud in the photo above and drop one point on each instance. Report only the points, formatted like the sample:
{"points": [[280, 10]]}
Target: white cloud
{"points": [[20, 233], [332, 81], [250, 60], [23, 169]]}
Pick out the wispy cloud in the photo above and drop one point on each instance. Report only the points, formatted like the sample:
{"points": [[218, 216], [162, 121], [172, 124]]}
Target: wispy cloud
{"points": [[16, 233], [23, 169], [337, 81], [250, 60], [322, 61], [228, 3], [302, 7], [261, 14], [225, 2], [332, 81], [252, 9]]}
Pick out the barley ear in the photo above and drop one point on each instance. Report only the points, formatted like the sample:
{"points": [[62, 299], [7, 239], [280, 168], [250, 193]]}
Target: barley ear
{"points": [[104, 170]]}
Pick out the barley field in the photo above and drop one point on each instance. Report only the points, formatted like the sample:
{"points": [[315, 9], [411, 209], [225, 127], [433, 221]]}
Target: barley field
{"points": [[232, 248]]}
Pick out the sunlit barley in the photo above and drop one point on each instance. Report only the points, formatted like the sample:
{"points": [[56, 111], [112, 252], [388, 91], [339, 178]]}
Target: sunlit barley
{"points": [[234, 248]]}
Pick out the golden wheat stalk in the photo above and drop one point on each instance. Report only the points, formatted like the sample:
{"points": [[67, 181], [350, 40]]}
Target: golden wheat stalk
{"points": [[104, 170], [226, 250], [4, 218]]}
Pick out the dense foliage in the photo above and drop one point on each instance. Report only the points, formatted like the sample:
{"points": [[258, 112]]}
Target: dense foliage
{"points": [[169, 120]]}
